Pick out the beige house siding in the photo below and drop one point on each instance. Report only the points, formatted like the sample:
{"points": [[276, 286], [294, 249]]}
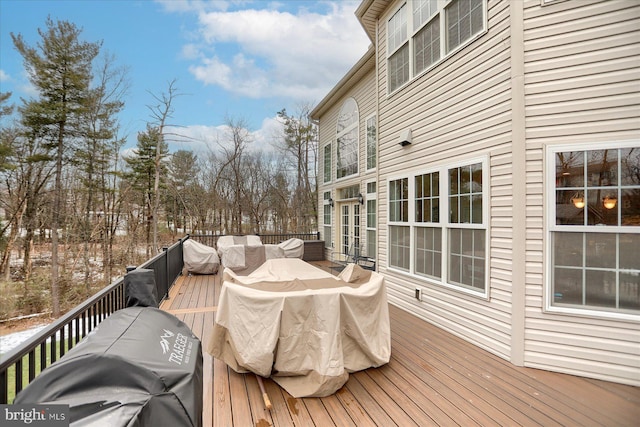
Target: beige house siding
{"points": [[363, 92], [582, 80], [458, 110], [544, 74]]}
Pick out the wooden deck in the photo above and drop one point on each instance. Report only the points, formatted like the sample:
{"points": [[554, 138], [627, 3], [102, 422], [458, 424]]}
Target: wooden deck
{"points": [[433, 378]]}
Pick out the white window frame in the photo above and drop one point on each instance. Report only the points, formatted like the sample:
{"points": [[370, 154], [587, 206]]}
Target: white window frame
{"points": [[371, 146], [444, 223], [341, 133], [412, 31], [371, 197], [327, 161], [551, 227], [326, 207]]}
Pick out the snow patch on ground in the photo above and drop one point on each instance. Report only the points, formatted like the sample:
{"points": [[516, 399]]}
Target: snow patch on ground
{"points": [[10, 341]]}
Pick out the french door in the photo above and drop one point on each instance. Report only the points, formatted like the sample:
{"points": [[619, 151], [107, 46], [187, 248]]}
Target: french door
{"points": [[350, 228]]}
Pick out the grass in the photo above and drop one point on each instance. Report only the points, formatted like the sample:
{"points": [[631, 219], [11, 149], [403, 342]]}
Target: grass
{"points": [[11, 372]]}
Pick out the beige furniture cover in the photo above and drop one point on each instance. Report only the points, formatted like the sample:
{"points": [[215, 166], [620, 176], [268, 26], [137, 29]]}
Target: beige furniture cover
{"points": [[293, 248], [199, 258], [243, 254], [301, 325]]}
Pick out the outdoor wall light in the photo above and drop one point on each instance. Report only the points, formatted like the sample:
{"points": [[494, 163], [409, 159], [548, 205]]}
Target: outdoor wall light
{"points": [[360, 199], [609, 202], [578, 201], [331, 202]]}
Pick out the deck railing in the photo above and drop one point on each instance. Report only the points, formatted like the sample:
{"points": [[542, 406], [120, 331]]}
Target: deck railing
{"points": [[21, 365], [268, 239]]}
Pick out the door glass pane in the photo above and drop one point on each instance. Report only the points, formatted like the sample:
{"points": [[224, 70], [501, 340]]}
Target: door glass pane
{"points": [[345, 230]]}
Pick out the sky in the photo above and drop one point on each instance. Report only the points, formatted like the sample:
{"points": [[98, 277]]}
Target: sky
{"points": [[238, 59]]}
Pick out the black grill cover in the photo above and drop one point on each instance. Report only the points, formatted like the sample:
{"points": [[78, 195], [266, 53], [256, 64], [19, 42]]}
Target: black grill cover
{"points": [[140, 288], [140, 367]]}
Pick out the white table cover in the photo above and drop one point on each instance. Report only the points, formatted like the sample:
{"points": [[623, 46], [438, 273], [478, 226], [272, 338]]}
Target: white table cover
{"points": [[302, 326]]}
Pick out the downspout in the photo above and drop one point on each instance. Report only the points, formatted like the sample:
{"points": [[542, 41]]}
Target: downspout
{"points": [[378, 121]]}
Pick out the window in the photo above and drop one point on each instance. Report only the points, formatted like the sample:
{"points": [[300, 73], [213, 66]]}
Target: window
{"points": [[467, 244], [326, 219], [595, 229], [371, 219], [417, 41], [347, 140], [372, 142], [427, 38], [464, 19], [428, 232], [399, 237], [398, 49], [327, 163], [444, 238]]}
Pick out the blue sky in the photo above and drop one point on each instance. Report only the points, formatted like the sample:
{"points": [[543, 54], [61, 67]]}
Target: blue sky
{"points": [[241, 59]]}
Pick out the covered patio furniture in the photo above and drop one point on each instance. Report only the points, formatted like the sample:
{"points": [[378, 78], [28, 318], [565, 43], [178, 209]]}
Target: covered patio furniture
{"points": [[293, 248], [302, 326], [199, 258], [243, 254]]}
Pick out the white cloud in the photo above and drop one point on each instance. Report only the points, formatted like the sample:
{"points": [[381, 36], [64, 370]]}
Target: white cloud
{"points": [[4, 77], [300, 56], [203, 139], [193, 5], [190, 51]]}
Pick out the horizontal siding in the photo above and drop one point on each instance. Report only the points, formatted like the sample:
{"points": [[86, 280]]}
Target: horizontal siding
{"points": [[582, 68], [458, 109]]}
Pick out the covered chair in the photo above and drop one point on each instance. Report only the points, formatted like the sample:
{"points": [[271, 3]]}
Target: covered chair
{"points": [[293, 248], [199, 258], [243, 254]]}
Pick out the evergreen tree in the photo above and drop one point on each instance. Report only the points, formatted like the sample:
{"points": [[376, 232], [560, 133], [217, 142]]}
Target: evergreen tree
{"points": [[59, 67], [143, 174]]}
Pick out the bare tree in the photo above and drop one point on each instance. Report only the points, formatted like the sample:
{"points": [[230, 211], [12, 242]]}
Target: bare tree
{"points": [[160, 113], [94, 153], [300, 146], [237, 139]]}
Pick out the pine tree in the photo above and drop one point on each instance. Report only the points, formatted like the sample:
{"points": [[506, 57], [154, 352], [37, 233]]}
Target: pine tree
{"points": [[59, 67]]}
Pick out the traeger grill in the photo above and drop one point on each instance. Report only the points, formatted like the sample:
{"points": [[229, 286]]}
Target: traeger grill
{"points": [[140, 367]]}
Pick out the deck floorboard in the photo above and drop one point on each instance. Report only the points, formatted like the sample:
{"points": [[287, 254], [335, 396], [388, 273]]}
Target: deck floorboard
{"points": [[433, 378]]}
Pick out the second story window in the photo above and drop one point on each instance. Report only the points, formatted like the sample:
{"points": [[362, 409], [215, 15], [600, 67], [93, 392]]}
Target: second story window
{"points": [[398, 49], [372, 142], [419, 38], [464, 20], [347, 140], [327, 163]]}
